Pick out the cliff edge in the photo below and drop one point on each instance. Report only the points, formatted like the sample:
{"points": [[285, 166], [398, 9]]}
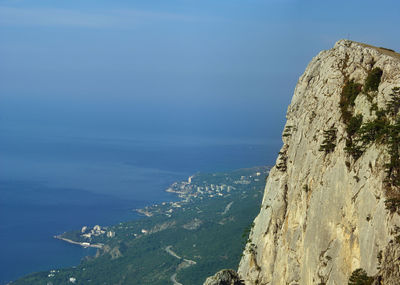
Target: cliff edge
{"points": [[332, 202], [326, 209]]}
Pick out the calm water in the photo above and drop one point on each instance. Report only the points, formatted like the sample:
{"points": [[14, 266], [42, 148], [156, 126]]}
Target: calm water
{"points": [[52, 183]]}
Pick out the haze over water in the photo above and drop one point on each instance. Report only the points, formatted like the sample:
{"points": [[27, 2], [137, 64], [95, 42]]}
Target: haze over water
{"points": [[103, 104], [53, 182]]}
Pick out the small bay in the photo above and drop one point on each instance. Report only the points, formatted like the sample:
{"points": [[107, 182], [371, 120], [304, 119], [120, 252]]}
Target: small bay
{"points": [[52, 184]]}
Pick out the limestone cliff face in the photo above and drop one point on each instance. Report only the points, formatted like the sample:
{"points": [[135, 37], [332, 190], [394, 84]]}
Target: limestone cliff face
{"points": [[323, 215]]}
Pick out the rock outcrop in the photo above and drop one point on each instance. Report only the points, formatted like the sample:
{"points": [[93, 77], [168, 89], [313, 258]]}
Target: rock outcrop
{"points": [[326, 211], [224, 277], [323, 213]]}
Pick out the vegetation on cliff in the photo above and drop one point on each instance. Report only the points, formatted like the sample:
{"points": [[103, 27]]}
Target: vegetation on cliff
{"points": [[325, 215]]}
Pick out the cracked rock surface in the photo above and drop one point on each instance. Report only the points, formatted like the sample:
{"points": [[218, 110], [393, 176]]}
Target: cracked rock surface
{"points": [[323, 214]]}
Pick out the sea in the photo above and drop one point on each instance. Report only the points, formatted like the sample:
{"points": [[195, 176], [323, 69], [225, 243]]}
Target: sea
{"points": [[52, 182]]}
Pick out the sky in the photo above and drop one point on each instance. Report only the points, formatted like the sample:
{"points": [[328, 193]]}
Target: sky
{"points": [[218, 69]]}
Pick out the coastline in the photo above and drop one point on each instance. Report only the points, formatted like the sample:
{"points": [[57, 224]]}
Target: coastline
{"points": [[183, 216], [44, 222], [83, 244], [186, 191]]}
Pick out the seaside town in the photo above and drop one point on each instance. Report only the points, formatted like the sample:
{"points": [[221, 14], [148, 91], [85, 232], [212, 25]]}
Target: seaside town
{"points": [[204, 204], [196, 188]]}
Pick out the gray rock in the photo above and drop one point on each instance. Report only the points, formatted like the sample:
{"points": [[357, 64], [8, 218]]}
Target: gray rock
{"points": [[224, 277], [320, 219]]}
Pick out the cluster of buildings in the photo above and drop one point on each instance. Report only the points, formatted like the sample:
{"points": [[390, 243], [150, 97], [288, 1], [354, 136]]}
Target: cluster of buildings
{"points": [[95, 231], [189, 190], [53, 274]]}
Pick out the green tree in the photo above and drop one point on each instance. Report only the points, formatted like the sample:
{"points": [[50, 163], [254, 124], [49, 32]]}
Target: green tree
{"points": [[373, 79], [360, 277], [329, 143]]}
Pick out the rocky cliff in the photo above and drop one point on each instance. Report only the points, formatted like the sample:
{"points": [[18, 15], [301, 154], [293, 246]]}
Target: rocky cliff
{"points": [[332, 202]]}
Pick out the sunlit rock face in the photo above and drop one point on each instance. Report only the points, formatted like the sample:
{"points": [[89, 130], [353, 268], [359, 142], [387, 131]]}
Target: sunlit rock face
{"points": [[323, 214]]}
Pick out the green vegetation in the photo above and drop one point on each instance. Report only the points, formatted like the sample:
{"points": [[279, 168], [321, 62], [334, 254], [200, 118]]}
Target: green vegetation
{"points": [[282, 161], [393, 145], [205, 230], [360, 277], [348, 96], [282, 155], [393, 205], [354, 125], [329, 143], [287, 132], [246, 234], [381, 130], [393, 106], [379, 256], [353, 149], [373, 80], [374, 131], [384, 130]]}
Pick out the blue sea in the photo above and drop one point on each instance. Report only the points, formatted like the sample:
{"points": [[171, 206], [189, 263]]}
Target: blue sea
{"points": [[51, 182]]}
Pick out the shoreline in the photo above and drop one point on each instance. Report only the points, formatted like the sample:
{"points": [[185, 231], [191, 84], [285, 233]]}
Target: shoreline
{"points": [[142, 213], [203, 187], [83, 244]]}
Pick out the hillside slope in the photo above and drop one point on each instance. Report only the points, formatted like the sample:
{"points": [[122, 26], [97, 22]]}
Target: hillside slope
{"points": [[331, 204], [180, 241]]}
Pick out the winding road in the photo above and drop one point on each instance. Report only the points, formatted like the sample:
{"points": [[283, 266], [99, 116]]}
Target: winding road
{"points": [[184, 264]]}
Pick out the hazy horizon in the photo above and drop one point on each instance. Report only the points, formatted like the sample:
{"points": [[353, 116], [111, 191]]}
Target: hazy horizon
{"points": [[222, 69], [104, 104]]}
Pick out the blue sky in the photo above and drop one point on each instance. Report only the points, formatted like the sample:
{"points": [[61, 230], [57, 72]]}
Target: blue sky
{"points": [[182, 67]]}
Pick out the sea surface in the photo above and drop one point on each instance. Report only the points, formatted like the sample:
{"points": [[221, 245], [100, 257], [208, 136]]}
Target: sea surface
{"points": [[51, 182]]}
